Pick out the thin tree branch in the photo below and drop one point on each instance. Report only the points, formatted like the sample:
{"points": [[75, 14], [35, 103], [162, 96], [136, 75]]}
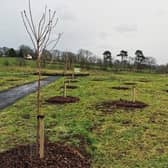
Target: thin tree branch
{"points": [[59, 37], [44, 20], [32, 22], [25, 25], [39, 25], [28, 21], [54, 40]]}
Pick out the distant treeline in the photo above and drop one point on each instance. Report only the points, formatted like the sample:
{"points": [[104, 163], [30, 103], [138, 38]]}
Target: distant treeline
{"points": [[88, 60]]}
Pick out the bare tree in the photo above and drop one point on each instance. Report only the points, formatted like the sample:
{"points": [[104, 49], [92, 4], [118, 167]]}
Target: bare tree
{"points": [[40, 34]]}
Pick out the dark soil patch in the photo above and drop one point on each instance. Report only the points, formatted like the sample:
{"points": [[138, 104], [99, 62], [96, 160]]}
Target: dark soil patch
{"points": [[13, 80], [67, 81], [166, 91], [109, 106], [130, 83], [62, 100], [56, 156], [70, 87], [144, 80], [120, 88], [62, 74], [99, 79], [126, 122], [74, 81], [104, 79]]}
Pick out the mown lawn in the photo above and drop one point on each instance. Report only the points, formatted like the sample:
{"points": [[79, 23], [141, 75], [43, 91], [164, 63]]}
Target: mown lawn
{"points": [[120, 139]]}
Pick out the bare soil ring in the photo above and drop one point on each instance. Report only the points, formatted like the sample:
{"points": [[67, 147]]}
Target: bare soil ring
{"points": [[120, 88], [62, 100], [109, 106], [130, 83], [56, 156]]}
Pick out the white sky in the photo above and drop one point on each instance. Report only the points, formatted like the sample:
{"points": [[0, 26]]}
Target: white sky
{"points": [[96, 25]]}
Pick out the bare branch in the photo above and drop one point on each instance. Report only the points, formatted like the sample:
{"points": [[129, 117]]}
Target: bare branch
{"points": [[43, 34], [56, 22], [49, 25], [44, 20], [28, 21], [46, 41], [54, 40], [24, 22], [32, 22], [39, 25], [59, 37]]}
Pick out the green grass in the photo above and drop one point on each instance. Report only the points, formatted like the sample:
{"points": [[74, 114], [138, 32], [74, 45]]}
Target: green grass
{"points": [[142, 143], [8, 62], [9, 80], [12, 75]]}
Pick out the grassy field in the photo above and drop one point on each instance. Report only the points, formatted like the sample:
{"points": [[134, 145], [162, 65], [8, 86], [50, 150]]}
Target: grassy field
{"points": [[12, 75], [120, 139], [18, 63], [10, 80]]}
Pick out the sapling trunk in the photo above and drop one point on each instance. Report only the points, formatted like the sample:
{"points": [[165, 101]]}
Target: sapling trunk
{"points": [[39, 35], [65, 65], [134, 94], [73, 70], [65, 89], [40, 116]]}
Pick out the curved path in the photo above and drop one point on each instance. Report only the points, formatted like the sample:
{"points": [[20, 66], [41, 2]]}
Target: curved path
{"points": [[12, 95]]}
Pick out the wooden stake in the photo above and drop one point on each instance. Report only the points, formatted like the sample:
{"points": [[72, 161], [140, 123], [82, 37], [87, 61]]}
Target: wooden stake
{"points": [[65, 90], [72, 75], [133, 93], [65, 65], [40, 116], [40, 119]]}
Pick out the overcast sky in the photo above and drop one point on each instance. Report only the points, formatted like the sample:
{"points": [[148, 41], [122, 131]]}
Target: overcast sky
{"points": [[96, 25]]}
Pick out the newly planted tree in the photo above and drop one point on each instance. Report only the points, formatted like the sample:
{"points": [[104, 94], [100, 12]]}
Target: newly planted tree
{"points": [[41, 33]]}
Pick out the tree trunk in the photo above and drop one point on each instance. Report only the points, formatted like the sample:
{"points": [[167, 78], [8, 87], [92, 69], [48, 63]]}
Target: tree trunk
{"points": [[40, 115], [65, 65]]}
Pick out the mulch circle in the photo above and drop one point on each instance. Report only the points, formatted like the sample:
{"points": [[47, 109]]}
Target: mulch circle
{"points": [[144, 80], [108, 106], [74, 81], [56, 156], [130, 83], [71, 87], [99, 79], [13, 80], [120, 88], [62, 100], [104, 79]]}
